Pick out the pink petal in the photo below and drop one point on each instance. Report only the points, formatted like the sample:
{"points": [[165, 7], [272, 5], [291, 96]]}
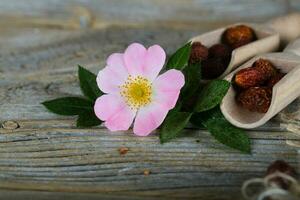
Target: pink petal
{"points": [[134, 58], [149, 118], [114, 111], [155, 60], [167, 87], [113, 75], [168, 99], [107, 105], [122, 120]]}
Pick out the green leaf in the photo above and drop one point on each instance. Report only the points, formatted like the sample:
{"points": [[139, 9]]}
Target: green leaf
{"points": [[87, 119], [222, 130], [180, 58], [197, 119], [212, 95], [69, 105], [192, 75], [88, 83], [177, 108], [173, 125]]}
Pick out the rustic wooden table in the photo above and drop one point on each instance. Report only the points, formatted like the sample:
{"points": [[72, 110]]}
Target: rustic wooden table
{"points": [[43, 155]]}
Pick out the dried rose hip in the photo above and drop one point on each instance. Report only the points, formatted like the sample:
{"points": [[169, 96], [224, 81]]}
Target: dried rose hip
{"points": [[283, 167], [217, 62], [219, 51], [248, 77], [238, 36], [265, 67], [256, 99], [198, 53], [254, 85], [212, 68], [275, 79], [259, 73]]}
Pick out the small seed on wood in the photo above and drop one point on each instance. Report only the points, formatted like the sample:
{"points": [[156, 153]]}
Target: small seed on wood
{"points": [[123, 150], [10, 125], [146, 172], [78, 54]]}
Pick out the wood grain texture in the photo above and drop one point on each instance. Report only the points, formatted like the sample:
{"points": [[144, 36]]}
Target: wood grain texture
{"points": [[44, 156], [146, 11]]}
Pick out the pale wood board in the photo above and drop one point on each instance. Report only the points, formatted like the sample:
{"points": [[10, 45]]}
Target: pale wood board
{"points": [[47, 157]]}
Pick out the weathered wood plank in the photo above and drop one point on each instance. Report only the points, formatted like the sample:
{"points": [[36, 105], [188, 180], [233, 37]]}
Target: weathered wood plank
{"points": [[45, 156], [179, 193], [45, 151], [109, 175], [34, 16], [88, 160], [135, 11]]}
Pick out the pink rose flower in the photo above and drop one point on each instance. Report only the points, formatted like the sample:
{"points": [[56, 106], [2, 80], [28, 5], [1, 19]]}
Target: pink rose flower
{"points": [[135, 91]]}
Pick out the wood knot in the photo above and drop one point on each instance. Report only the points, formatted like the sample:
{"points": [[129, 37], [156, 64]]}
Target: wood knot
{"points": [[10, 125]]}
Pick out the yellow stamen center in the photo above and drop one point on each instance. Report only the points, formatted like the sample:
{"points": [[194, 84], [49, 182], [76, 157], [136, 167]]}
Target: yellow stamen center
{"points": [[136, 92]]}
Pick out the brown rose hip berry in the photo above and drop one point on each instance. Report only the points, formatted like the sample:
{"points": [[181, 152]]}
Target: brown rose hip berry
{"points": [[198, 53], [238, 36], [212, 68], [265, 67], [248, 77], [256, 99], [283, 167], [219, 51], [259, 73], [275, 79]]}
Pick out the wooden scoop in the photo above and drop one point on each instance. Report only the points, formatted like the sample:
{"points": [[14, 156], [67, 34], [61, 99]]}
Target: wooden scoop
{"points": [[284, 92], [287, 26], [269, 35]]}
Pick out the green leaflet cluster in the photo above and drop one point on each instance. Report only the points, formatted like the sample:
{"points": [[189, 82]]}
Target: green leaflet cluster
{"points": [[81, 106], [199, 104]]}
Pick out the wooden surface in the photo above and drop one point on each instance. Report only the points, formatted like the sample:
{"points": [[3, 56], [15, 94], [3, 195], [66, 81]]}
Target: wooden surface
{"points": [[45, 156]]}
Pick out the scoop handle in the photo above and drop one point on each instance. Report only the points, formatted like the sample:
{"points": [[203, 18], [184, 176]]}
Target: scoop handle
{"points": [[287, 26], [293, 47]]}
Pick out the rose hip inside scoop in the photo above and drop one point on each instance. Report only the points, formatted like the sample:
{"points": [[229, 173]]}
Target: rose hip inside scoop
{"points": [[198, 53], [238, 36], [261, 71], [256, 99], [215, 59], [254, 85]]}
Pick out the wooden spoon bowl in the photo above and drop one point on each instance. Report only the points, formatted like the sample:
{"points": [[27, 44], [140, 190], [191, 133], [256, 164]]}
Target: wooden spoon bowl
{"points": [[284, 92]]}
